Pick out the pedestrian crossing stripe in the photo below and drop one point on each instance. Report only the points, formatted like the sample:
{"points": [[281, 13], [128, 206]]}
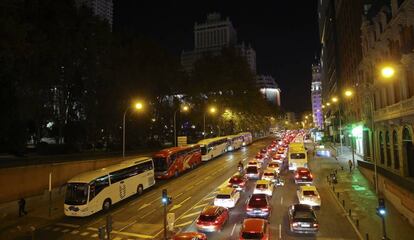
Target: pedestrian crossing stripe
{"points": [[74, 232], [84, 233]]}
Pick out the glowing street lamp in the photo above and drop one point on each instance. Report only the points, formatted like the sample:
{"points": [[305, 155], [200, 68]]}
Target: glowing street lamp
{"points": [[387, 72], [138, 106], [211, 110], [348, 93], [334, 99], [328, 104]]}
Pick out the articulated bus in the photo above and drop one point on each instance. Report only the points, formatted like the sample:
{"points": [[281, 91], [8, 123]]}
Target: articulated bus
{"points": [[97, 190], [172, 161], [213, 147], [247, 138]]}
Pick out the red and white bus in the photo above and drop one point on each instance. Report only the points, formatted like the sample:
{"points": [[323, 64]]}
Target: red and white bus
{"points": [[170, 162]]}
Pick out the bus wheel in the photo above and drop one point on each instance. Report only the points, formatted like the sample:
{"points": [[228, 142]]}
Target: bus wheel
{"points": [[140, 190], [176, 173], [106, 205]]}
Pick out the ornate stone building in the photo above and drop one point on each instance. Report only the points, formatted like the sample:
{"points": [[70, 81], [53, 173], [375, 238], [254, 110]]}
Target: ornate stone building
{"points": [[388, 40]]}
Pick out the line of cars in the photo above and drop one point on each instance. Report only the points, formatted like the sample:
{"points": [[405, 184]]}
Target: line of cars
{"points": [[265, 170]]}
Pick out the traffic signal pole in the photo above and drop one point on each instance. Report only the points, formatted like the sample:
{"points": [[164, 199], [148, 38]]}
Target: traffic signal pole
{"points": [[166, 200], [165, 221]]}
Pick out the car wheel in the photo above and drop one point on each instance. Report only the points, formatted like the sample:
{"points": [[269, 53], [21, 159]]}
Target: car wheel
{"points": [[140, 190], [106, 204]]}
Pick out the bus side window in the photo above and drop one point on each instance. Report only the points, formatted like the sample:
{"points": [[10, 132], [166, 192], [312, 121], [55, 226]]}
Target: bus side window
{"points": [[97, 186]]}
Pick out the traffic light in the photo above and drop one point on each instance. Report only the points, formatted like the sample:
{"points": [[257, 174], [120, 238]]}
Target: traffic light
{"points": [[381, 210], [166, 200]]}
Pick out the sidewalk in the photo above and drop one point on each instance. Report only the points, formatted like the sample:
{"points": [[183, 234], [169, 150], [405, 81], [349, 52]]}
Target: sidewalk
{"points": [[12, 226], [359, 197]]}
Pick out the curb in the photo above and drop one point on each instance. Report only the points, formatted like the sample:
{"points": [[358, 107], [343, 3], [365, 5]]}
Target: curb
{"points": [[358, 233]]}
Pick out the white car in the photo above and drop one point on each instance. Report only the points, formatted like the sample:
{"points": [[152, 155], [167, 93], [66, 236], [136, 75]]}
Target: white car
{"points": [[274, 166], [264, 186], [309, 195], [269, 175], [227, 197]]}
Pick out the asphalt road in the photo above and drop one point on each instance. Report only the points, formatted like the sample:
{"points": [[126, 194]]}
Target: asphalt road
{"points": [[142, 217]]}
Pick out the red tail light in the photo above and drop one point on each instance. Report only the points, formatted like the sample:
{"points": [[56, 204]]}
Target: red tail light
{"points": [[241, 184], [216, 222], [315, 225], [310, 175], [249, 208], [265, 209], [297, 175], [198, 221], [295, 224]]}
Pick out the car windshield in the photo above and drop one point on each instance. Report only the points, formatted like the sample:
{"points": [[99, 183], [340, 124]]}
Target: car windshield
{"points": [[207, 218], [309, 193], [304, 214], [251, 170], [160, 164], [257, 202], [76, 193], [297, 156], [223, 196], [252, 235], [261, 186]]}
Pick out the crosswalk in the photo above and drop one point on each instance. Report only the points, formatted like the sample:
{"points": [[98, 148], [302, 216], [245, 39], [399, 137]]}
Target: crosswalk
{"points": [[76, 230]]}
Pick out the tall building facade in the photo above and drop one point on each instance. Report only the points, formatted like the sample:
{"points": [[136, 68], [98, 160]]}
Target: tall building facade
{"points": [[101, 8], [269, 88], [316, 95], [211, 37]]}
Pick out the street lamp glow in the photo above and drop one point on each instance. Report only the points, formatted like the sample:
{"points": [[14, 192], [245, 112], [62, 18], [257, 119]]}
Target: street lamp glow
{"points": [[334, 99], [323, 106], [387, 72], [286, 122], [328, 104], [213, 110], [306, 117], [348, 93], [185, 108], [138, 106]]}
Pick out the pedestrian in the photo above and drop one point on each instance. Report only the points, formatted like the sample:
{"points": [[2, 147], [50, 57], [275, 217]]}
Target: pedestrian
{"points": [[22, 207], [350, 165]]}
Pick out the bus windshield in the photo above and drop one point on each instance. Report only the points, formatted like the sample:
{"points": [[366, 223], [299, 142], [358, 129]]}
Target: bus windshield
{"points": [[76, 193], [297, 156], [160, 164], [204, 150]]}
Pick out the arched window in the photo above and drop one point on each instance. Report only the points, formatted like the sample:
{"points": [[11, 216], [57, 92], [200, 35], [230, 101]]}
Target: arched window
{"points": [[396, 151], [388, 142], [382, 150], [408, 151]]}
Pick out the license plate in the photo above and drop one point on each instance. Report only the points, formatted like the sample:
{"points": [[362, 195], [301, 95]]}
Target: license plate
{"points": [[305, 225], [256, 211]]}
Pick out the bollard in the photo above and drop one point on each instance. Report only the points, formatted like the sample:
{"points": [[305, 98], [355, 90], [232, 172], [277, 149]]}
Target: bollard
{"points": [[337, 194], [343, 203], [357, 223], [349, 212], [366, 236]]}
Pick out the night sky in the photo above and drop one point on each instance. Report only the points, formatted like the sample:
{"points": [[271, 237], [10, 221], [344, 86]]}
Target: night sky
{"points": [[283, 33]]}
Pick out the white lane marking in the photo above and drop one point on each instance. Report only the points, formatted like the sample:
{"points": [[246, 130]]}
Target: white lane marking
{"points": [[56, 229], [191, 214], [178, 195], [209, 198], [201, 205], [280, 231], [247, 200], [144, 206], [74, 232], [84, 233], [148, 213], [190, 187], [184, 224], [117, 238], [128, 234], [129, 224], [281, 200], [95, 235], [232, 231], [67, 225], [244, 159], [65, 230], [157, 199], [180, 204]]}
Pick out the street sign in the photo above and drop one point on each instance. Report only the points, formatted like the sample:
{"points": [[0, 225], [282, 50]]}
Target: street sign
{"points": [[182, 141]]}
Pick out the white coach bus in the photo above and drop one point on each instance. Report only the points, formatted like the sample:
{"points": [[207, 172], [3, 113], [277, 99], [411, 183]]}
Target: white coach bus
{"points": [[247, 138], [213, 147], [97, 190]]}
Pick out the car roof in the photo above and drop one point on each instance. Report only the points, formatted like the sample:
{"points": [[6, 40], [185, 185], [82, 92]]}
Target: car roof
{"points": [[262, 182], [253, 225], [226, 190], [210, 210], [269, 171], [308, 188]]}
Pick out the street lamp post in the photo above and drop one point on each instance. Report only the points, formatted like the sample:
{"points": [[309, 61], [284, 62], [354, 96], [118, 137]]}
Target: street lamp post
{"points": [[184, 109], [137, 106], [212, 110], [335, 100]]}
